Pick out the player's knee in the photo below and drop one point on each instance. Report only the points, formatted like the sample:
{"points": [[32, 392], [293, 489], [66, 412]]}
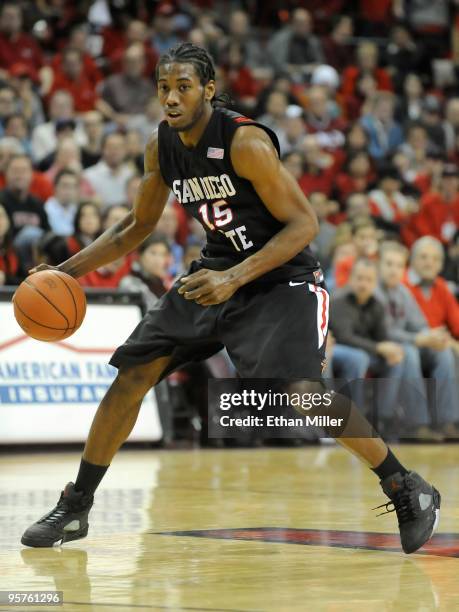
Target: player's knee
{"points": [[136, 379]]}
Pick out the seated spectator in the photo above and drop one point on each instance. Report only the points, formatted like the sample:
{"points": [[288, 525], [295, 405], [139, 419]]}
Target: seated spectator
{"points": [[240, 32], [44, 137], [322, 244], [168, 226], [403, 55], [109, 176], [15, 44], [78, 39], [147, 122], [356, 140], [93, 127], [367, 63], [328, 130], [366, 88], [365, 241], [41, 187], [108, 276], [357, 176], [295, 46], [275, 116], [126, 94], [23, 80], [384, 133], [295, 130], [9, 261], [135, 150], [15, 126], [415, 148], [426, 350], [164, 35], [357, 206], [72, 78], [431, 292], [51, 249], [87, 226], [8, 104], [432, 119], [149, 274], [362, 343], [136, 33], [66, 157], [26, 212], [451, 125], [429, 178], [387, 202], [337, 47], [451, 267], [294, 162], [438, 214], [239, 80], [410, 107], [62, 207], [319, 168]]}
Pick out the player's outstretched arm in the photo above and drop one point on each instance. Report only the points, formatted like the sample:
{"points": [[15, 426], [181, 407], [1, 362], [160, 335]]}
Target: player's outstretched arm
{"points": [[128, 233], [255, 158]]}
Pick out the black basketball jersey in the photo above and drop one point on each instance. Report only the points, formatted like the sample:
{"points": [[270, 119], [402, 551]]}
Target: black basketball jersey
{"points": [[236, 221]]}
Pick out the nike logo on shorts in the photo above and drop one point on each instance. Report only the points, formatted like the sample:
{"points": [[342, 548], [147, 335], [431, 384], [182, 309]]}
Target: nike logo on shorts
{"points": [[293, 284]]}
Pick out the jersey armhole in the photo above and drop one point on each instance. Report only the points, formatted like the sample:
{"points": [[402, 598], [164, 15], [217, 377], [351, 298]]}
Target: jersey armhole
{"points": [[246, 123]]}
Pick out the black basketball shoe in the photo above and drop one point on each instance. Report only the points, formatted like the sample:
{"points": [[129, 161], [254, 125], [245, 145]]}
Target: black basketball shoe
{"points": [[417, 504], [67, 521]]}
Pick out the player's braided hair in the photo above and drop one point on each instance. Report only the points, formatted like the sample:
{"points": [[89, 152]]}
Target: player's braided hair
{"points": [[187, 53]]}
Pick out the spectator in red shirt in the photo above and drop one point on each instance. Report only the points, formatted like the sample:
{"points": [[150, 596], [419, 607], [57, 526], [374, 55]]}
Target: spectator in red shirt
{"points": [[15, 44], [337, 47], [431, 292], [136, 32], [357, 176], [367, 63], [41, 187], [365, 241], [72, 78], [319, 169], [78, 40], [374, 17], [108, 276], [9, 262], [439, 211], [239, 79]]}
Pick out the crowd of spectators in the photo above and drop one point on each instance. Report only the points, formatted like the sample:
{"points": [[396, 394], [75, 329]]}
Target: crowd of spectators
{"points": [[364, 99]]}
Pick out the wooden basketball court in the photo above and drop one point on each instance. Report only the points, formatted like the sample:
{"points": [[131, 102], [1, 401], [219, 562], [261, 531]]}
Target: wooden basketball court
{"points": [[233, 531]]}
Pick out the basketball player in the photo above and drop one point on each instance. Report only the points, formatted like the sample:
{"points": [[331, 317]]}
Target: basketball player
{"points": [[256, 288]]}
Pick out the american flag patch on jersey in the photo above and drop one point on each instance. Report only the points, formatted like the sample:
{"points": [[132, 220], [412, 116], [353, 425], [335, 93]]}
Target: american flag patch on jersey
{"points": [[215, 153]]}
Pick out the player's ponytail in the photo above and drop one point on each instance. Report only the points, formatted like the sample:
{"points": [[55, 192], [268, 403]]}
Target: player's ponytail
{"points": [[222, 99]]}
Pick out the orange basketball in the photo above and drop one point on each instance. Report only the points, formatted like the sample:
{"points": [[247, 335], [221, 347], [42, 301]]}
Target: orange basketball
{"points": [[49, 305]]}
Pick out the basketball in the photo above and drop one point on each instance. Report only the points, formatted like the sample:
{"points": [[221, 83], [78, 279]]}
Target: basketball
{"points": [[49, 305]]}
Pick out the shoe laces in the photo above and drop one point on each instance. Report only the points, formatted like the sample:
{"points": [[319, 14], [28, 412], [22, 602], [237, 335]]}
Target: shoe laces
{"points": [[402, 504], [56, 513]]}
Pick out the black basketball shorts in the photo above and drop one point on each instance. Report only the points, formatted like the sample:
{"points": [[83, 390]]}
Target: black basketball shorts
{"points": [[274, 331]]}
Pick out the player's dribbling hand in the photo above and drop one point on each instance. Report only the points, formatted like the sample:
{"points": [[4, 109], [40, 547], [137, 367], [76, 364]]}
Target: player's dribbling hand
{"points": [[42, 267], [208, 287]]}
